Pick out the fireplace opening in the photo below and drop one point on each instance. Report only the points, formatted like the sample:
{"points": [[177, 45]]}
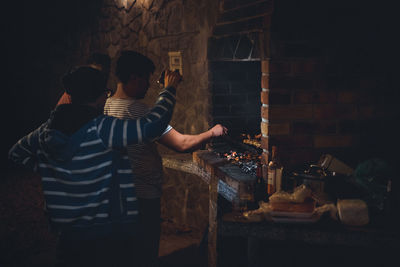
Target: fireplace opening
{"points": [[236, 95]]}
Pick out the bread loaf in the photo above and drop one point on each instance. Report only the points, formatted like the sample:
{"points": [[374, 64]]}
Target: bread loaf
{"points": [[300, 194], [353, 212]]}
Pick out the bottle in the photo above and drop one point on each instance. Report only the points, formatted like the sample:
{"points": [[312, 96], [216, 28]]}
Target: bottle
{"points": [[274, 173], [260, 186], [160, 80]]}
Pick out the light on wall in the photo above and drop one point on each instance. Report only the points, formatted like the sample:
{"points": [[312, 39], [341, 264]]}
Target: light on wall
{"points": [[175, 61], [127, 3]]}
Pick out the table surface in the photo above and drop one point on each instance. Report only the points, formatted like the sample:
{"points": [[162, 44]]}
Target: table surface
{"points": [[324, 231]]}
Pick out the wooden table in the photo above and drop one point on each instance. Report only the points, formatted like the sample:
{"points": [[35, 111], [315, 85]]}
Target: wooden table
{"points": [[227, 180]]}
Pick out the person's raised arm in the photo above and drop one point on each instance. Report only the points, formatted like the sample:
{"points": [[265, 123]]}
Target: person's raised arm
{"points": [[186, 142], [24, 151], [118, 133]]}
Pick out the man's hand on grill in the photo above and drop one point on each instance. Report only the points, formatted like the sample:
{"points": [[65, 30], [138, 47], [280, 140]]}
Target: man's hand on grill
{"points": [[218, 130]]}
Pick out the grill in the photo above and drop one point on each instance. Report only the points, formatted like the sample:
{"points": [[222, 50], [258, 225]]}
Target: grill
{"points": [[243, 151]]}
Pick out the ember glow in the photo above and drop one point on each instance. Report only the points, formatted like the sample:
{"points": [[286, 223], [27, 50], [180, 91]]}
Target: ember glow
{"points": [[247, 155], [247, 161], [243, 150]]}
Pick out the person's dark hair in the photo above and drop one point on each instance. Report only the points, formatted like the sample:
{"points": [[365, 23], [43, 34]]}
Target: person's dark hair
{"points": [[84, 84], [103, 60], [131, 62]]}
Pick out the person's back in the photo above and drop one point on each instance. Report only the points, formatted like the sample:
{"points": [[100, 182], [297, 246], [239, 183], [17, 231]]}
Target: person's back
{"points": [[82, 173], [145, 160], [86, 179]]}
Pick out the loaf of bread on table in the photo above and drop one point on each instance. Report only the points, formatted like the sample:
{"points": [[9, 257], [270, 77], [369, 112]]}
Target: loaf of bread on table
{"points": [[299, 195], [353, 212]]}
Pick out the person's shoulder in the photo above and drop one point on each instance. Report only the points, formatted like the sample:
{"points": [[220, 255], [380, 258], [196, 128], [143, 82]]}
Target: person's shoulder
{"points": [[99, 119], [113, 103], [107, 104], [138, 105]]}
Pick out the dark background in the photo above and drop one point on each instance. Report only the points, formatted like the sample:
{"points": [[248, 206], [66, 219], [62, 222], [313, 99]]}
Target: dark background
{"points": [[41, 38]]}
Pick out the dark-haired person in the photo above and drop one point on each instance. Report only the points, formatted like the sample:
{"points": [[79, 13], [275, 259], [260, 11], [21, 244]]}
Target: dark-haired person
{"points": [[133, 71], [98, 61], [86, 176]]}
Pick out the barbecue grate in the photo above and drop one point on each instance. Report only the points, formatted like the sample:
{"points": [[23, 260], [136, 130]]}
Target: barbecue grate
{"points": [[239, 151]]}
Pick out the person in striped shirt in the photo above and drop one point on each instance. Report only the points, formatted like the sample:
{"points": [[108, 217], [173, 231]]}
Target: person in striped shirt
{"points": [[133, 71], [86, 175]]}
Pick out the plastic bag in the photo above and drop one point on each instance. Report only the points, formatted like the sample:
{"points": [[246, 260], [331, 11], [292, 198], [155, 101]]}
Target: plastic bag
{"points": [[372, 177]]}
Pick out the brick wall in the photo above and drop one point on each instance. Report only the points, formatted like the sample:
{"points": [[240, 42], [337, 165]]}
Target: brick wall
{"points": [[329, 84], [236, 95]]}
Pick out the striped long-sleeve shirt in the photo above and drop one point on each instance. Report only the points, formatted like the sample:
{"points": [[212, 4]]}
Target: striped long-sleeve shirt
{"points": [[86, 178]]}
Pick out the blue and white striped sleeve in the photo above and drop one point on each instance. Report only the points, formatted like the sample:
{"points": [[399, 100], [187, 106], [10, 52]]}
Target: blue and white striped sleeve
{"points": [[118, 133], [169, 128], [24, 151]]}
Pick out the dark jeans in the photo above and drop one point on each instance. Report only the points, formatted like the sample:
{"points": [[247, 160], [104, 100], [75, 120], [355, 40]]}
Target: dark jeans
{"points": [[111, 251], [150, 229], [141, 250]]}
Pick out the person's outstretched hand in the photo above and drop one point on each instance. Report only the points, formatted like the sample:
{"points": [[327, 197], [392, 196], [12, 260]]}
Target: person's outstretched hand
{"points": [[218, 130], [172, 78]]}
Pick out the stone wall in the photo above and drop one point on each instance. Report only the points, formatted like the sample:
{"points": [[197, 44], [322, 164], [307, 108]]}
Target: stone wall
{"points": [[185, 200], [155, 27]]}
